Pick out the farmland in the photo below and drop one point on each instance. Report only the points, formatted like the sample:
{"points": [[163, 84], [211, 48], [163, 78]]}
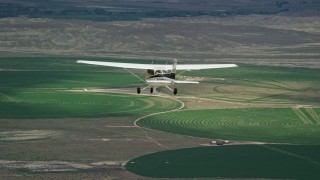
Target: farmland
{"points": [[247, 161], [52, 106], [224, 106], [48, 113], [40, 88], [41, 104], [259, 84], [281, 125], [63, 120]]}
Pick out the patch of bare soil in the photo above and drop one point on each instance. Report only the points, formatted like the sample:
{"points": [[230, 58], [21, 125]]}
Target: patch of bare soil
{"points": [[27, 135], [58, 166], [237, 143]]}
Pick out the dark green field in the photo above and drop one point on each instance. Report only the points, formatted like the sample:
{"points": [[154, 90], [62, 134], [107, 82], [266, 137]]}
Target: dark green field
{"points": [[37, 87], [41, 104], [63, 73], [280, 125], [259, 84], [245, 72], [59, 63], [247, 161]]}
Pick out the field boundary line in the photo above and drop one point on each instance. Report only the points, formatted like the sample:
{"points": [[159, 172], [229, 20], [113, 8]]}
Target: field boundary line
{"points": [[163, 112], [152, 114], [292, 154], [314, 115], [302, 116], [8, 98]]}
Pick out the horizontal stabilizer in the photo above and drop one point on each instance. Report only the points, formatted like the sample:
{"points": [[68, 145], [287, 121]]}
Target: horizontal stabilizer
{"points": [[186, 82], [203, 66], [159, 81]]}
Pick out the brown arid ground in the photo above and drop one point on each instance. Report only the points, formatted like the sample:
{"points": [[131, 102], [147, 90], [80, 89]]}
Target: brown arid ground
{"points": [[254, 39], [79, 148]]}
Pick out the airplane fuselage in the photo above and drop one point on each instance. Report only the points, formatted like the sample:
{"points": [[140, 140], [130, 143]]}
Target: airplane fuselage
{"points": [[160, 78], [159, 81]]}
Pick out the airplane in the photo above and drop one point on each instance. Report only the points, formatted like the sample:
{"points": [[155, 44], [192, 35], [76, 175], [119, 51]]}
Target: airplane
{"points": [[159, 75]]}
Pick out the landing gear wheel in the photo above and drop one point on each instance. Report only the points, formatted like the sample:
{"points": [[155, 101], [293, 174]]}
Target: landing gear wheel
{"points": [[151, 90], [175, 91], [138, 90]]}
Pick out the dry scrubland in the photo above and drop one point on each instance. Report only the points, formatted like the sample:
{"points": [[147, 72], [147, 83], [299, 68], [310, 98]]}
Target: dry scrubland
{"points": [[254, 39], [78, 148]]}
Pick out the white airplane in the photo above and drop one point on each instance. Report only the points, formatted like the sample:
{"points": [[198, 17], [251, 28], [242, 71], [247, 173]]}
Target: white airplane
{"points": [[159, 74]]}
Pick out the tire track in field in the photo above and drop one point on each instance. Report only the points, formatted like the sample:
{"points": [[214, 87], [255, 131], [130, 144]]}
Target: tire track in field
{"points": [[152, 114], [302, 116], [314, 115], [292, 154], [116, 91], [6, 98]]}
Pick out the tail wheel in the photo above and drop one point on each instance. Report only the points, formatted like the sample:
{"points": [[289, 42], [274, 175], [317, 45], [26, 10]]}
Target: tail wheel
{"points": [[151, 90], [175, 91], [138, 90]]}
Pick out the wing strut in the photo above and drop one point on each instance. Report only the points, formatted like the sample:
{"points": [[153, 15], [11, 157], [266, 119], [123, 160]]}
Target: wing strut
{"points": [[169, 88], [134, 74]]}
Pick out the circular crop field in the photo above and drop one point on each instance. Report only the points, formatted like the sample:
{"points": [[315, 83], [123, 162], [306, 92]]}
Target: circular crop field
{"points": [[65, 104], [241, 161], [283, 125]]}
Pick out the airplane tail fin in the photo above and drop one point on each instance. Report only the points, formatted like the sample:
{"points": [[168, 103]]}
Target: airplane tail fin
{"points": [[174, 67]]}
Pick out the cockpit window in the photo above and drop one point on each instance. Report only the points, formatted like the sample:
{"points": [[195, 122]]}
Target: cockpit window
{"points": [[158, 72], [151, 72]]}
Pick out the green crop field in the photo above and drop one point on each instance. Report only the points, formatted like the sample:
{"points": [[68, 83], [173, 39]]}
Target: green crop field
{"points": [[58, 63], [37, 92], [261, 73], [35, 87], [280, 125], [65, 79], [259, 84], [40, 104], [61, 72], [247, 161]]}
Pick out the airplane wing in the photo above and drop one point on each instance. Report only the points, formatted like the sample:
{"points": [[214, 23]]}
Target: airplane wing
{"points": [[203, 66], [186, 82], [127, 65], [158, 66], [168, 82]]}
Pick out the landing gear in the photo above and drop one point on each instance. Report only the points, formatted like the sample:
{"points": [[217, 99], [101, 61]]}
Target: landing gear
{"points": [[175, 91], [138, 90], [151, 90]]}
